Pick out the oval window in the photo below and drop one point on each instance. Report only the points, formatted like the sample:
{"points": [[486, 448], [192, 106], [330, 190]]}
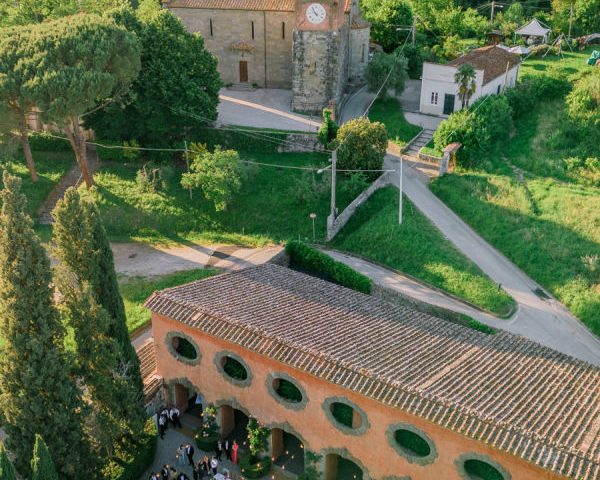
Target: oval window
{"points": [[480, 470], [184, 348], [412, 442], [287, 390], [344, 414], [234, 369]]}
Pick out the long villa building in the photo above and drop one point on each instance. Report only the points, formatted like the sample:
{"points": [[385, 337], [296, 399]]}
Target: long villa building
{"points": [[387, 392]]}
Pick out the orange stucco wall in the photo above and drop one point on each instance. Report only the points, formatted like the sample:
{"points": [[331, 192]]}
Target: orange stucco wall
{"points": [[371, 448]]}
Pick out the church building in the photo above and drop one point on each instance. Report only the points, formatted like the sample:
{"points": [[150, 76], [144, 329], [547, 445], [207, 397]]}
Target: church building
{"points": [[315, 48]]}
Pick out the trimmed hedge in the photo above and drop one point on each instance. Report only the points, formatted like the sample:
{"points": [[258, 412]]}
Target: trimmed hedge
{"points": [[326, 267], [44, 142], [254, 470], [131, 460]]}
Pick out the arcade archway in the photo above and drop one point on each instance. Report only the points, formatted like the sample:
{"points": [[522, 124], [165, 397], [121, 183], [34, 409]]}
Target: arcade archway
{"points": [[287, 451]]}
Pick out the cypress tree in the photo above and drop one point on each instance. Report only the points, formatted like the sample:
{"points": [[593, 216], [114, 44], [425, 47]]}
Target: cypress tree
{"points": [[42, 466], [82, 247], [7, 471], [37, 393]]}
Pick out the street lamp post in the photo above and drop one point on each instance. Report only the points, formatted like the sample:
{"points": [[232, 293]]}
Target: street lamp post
{"points": [[313, 216], [400, 189]]}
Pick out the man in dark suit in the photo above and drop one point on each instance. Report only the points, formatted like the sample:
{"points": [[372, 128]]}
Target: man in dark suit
{"points": [[219, 450], [189, 452], [228, 449]]}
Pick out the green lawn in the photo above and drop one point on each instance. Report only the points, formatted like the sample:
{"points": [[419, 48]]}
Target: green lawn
{"points": [[571, 65], [135, 291], [389, 112], [265, 211], [419, 249], [50, 166]]}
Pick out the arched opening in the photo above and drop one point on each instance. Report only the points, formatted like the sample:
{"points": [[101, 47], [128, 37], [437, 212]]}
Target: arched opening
{"points": [[340, 468], [233, 426], [480, 470], [287, 451]]}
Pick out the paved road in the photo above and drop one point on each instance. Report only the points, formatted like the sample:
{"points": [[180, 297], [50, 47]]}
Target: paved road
{"points": [[544, 320]]}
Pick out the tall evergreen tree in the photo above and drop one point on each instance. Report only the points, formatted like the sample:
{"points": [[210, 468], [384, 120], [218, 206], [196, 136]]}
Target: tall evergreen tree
{"points": [[83, 249], [42, 466], [37, 393], [7, 471]]}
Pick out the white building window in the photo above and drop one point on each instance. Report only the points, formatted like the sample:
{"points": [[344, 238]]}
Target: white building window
{"points": [[434, 98]]}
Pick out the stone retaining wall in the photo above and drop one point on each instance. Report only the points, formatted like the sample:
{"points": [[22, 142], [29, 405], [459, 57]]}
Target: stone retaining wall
{"points": [[334, 225], [300, 142]]}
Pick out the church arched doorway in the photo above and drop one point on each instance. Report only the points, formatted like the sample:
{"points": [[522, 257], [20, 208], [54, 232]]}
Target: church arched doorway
{"points": [[287, 451], [340, 468]]}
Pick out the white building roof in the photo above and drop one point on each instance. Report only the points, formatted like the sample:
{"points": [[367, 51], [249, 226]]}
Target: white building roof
{"points": [[533, 28]]}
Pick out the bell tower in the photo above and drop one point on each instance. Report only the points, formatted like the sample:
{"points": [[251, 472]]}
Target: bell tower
{"points": [[318, 53]]}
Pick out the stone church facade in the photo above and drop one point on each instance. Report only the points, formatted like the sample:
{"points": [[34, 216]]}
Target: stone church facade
{"points": [[314, 47]]}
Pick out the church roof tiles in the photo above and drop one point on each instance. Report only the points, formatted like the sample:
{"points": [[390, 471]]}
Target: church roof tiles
{"points": [[501, 389]]}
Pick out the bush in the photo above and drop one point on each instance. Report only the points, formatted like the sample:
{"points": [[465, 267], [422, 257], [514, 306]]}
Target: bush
{"points": [[311, 259], [356, 184], [132, 459], [362, 146], [533, 88], [208, 434], [459, 127], [152, 178], [494, 119], [47, 142], [329, 128], [584, 171], [415, 61], [309, 187], [118, 154], [583, 103], [387, 70], [254, 467]]}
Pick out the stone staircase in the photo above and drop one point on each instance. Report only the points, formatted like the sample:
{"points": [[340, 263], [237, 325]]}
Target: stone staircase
{"points": [[423, 139], [71, 179]]}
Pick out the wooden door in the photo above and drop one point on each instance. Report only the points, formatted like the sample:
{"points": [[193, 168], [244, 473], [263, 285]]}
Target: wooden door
{"points": [[243, 71]]}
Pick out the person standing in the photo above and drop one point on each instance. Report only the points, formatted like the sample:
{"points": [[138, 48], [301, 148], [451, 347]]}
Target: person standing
{"points": [[228, 449], [180, 454], [189, 451], [234, 449], [165, 472], [174, 417], [182, 476], [214, 463], [196, 472], [162, 426], [219, 450], [206, 465]]}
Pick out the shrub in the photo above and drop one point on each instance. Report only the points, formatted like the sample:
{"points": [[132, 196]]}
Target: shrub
{"points": [[387, 71], [309, 187], [312, 260], [583, 102], [208, 434], [356, 184], [151, 178], [254, 467], [533, 88], [329, 128], [494, 118], [459, 127], [47, 142], [132, 459], [584, 171], [415, 61], [362, 145], [480, 327]]}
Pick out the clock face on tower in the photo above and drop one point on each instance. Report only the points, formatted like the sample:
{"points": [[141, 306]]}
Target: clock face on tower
{"points": [[316, 13]]}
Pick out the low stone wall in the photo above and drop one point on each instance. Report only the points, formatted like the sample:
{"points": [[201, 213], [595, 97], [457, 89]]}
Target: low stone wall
{"points": [[300, 142], [334, 225], [430, 158]]}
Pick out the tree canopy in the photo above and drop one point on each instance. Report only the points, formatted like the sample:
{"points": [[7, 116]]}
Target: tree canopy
{"points": [[386, 17], [174, 95], [362, 145], [387, 71], [42, 466]]}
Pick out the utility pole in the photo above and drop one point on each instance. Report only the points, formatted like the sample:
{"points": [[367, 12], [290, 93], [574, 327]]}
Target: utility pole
{"points": [[400, 190], [333, 166], [571, 20], [414, 28], [492, 12]]}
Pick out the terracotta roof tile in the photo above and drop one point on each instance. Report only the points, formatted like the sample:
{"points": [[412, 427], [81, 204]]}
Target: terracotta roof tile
{"points": [[491, 59], [501, 389], [269, 5]]}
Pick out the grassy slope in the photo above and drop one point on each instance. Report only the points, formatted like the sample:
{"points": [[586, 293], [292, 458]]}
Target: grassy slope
{"points": [[50, 166], [135, 291], [389, 112], [263, 211], [570, 65], [548, 227], [417, 248]]}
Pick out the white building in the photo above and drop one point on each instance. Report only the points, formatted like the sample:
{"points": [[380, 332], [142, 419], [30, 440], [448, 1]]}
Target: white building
{"points": [[495, 69]]}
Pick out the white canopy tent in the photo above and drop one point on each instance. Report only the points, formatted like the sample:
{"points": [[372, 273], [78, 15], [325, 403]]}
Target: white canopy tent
{"points": [[519, 50], [534, 29]]}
